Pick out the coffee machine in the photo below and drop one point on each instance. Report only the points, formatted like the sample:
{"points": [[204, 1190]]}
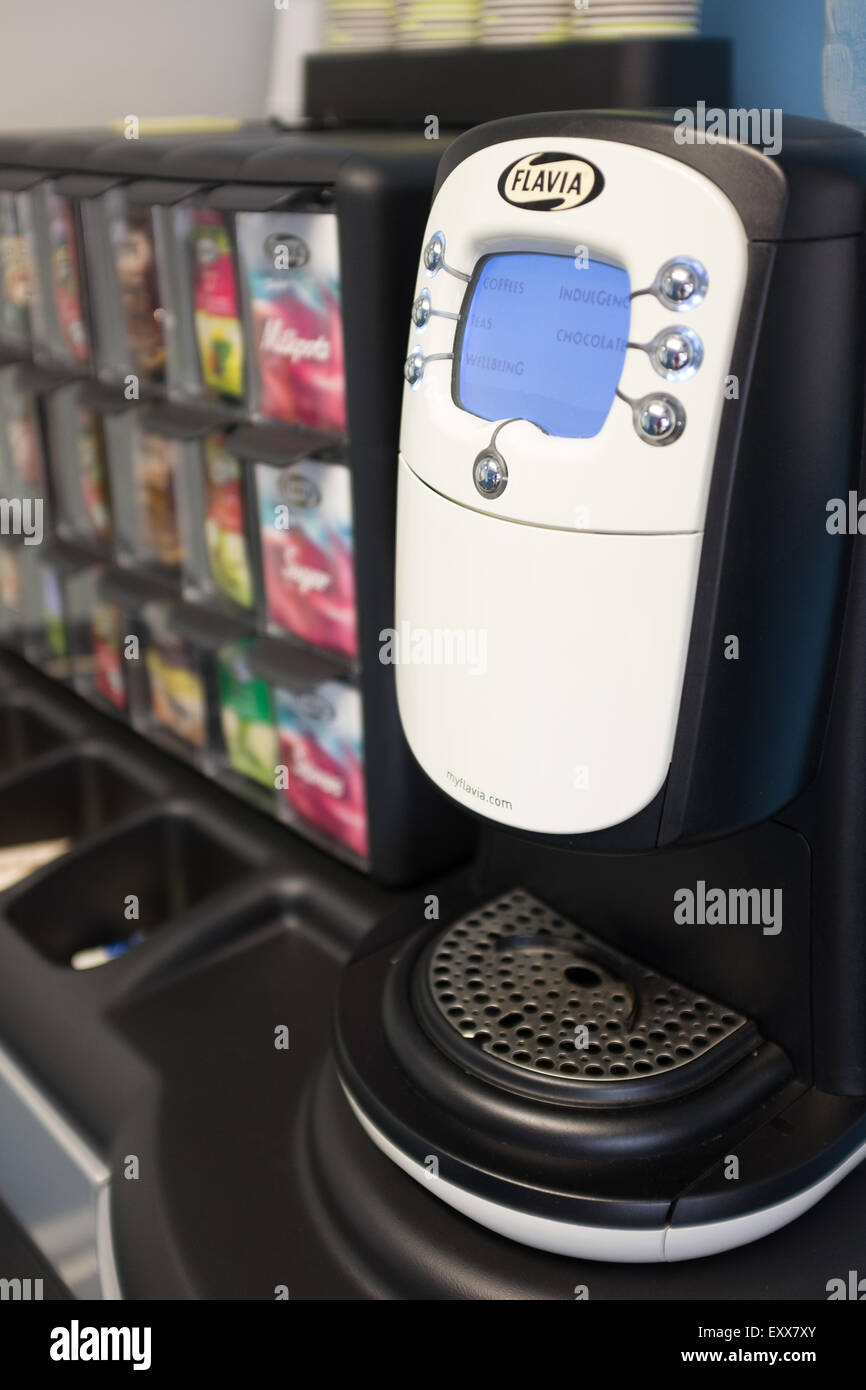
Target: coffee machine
{"points": [[629, 640]]}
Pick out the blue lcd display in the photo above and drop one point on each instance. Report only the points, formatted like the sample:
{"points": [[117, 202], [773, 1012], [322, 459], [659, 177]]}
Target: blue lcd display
{"points": [[544, 339]]}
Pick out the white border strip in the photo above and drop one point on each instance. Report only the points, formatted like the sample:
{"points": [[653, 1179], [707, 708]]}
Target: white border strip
{"points": [[560, 1237], [611, 1244], [693, 1242]]}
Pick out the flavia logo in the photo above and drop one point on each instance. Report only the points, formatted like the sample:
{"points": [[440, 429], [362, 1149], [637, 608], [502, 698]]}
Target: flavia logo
{"points": [[311, 705], [550, 182], [287, 251], [299, 491]]}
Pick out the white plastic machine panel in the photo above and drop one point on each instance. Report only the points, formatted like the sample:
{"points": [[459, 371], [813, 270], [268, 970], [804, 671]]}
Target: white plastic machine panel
{"points": [[592, 313], [575, 315], [540, 671]]}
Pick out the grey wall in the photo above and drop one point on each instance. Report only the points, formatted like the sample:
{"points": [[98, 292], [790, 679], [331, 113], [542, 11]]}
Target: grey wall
{"points": [[80, 62], [85, 62]]}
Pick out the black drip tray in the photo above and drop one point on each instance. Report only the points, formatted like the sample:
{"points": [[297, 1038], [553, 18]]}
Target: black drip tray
{"points": [[524, 997], [167, 863]]}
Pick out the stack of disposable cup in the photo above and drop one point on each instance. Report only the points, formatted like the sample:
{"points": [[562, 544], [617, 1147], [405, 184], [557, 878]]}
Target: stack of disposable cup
{"points": [[525, 22], [354, 24], [437, 23], [635, 19]]}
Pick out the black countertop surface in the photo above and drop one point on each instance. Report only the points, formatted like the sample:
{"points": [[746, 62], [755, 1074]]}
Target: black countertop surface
{"points": [[254, 1175]]}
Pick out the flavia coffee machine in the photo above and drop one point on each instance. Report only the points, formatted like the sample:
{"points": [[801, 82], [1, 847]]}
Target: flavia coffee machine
{"points": [[631, 607]]}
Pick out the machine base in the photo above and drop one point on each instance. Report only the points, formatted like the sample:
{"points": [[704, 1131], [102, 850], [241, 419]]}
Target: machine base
{"points": [[732, 1148], [614, 1244]]}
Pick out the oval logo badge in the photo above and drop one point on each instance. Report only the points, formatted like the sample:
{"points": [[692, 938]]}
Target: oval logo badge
{"points": [[299, 491], [550, 182], [312, 705], [287, 251]]}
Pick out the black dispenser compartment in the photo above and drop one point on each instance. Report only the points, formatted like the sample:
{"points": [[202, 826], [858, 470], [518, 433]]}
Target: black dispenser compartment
{"points": [[72, 793], [282, 971], [25, 734], [136, 824], [166, 861]]}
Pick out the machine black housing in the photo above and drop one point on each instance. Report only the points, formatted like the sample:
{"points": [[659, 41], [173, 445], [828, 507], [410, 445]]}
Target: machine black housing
{"points": [[767, 783]]}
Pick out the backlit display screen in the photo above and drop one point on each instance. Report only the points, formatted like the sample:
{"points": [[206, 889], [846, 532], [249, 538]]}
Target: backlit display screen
{"points": [[544, 339]]}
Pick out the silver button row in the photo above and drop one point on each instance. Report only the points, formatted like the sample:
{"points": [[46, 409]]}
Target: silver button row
{"points": [[675, 353], [681, 283], [657, 419]]}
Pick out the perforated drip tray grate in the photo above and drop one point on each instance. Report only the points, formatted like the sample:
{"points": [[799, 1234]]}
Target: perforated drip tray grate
{"points": [[527, 998]]}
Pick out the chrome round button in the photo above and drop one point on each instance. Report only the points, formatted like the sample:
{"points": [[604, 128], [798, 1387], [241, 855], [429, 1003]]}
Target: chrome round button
{"points": [[676, 353], [659, 419], [434, 252], [489, 473], [413, 369], [422, 309], [681, 284]]}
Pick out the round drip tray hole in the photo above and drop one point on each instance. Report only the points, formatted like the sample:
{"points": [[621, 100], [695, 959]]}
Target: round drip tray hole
{"points": [[510, 1020], [583, 976]]}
